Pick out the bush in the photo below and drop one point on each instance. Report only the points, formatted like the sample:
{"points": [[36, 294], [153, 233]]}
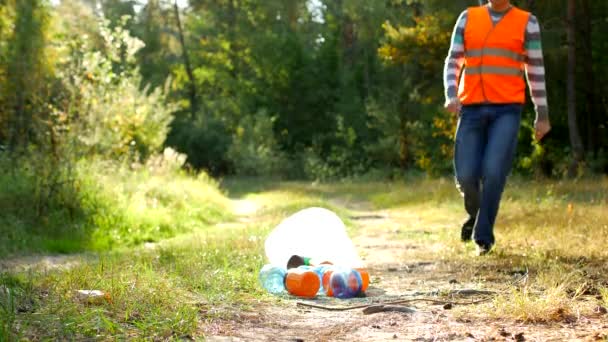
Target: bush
{"points": [[102, 205], [205, 141], [110, 113], [336, 155], [254, 150], [41, 205]]}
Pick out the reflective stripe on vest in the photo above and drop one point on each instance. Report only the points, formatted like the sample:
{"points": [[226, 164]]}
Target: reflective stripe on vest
{"points": [[496, 70], [494, 57], [498, 52]]}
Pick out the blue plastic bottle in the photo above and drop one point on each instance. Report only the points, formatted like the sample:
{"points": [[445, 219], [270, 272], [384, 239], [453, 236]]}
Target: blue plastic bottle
{"points": [[272, 278], [345, 283], [320, 270]]}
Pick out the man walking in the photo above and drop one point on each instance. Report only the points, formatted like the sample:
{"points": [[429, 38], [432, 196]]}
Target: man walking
{"points": [[496, 43]]}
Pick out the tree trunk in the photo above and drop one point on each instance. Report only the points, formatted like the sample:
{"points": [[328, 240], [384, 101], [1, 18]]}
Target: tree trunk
{"points": [[366, 75], [592, 122], [25, 73], [192, 87], [232, 38], [403, 143], [575, 138]]}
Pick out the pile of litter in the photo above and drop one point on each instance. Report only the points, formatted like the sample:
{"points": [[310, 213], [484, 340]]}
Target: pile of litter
{"points": [[310, 254]]}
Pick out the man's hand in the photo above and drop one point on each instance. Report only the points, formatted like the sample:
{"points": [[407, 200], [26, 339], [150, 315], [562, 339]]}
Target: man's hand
{"points": [[541, 128], [453, 106]]}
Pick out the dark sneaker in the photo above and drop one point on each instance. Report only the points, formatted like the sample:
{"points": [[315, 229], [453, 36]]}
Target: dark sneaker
{"points": [[483, 248], [466, 233]]}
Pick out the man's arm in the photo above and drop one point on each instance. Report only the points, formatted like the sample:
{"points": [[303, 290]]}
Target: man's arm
{"points": [[454, 63], [535, 73]]}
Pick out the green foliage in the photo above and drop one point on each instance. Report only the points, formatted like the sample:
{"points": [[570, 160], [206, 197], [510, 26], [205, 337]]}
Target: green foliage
{"points": [[341, 159], [347, 86], [82, 101], [337, 110], [41, 205], [153, 204], [206, 142], [25, 74], [254, 151], [104, 205], [154, 26], [424, 132], [110, 113]]}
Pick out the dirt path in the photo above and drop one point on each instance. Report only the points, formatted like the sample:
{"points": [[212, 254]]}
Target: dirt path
{"points": [[401, 266], [392, 279], [44, 262]]}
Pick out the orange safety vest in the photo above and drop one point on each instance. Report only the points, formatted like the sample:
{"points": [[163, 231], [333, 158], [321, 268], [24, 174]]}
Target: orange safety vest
{"points": [[494, 57]]}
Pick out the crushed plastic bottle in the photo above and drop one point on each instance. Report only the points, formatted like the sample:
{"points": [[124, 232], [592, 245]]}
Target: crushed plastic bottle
{"points": [[272, 278]]}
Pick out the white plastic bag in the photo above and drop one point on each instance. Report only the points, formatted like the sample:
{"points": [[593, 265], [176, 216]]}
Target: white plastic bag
{"points": [[315, 233]]}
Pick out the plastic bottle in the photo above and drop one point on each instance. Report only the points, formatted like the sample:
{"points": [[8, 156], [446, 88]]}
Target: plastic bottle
{"points": [[302, 282], [342, 283], [320, 271], [297, 261], [327, 273], [325, 281], [364, 278], [272, 278], [345, 283]]}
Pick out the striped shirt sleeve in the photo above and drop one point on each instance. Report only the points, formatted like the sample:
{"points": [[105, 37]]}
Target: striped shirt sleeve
{"points": [[535, 69], [455, 60]]}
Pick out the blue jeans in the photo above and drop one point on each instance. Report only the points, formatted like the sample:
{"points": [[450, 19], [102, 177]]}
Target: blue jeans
{"points": [[486, 139]]}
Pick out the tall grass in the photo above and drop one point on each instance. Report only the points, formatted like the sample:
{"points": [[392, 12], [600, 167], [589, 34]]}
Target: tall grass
{"points": [[103, 205]]}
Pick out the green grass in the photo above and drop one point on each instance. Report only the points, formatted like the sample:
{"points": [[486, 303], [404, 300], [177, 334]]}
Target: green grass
{"points": [[165, 292], [554, 230], [102, 206], [205, 268]]}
